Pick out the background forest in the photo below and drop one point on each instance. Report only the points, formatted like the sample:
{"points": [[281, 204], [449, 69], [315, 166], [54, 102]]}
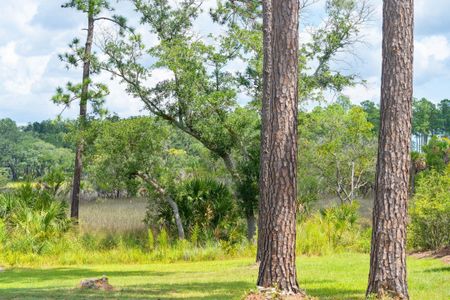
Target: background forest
{"points": [[123, 209]]}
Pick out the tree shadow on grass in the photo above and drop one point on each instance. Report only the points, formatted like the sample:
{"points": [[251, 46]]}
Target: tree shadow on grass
{"points": [[19, 275], [321, 288], [199, 291], [163, 291], [438, 270], [335, 293]]}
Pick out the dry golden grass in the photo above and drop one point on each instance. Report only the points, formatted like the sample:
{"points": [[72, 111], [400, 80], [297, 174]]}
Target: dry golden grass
{"points": [[113, 215]]}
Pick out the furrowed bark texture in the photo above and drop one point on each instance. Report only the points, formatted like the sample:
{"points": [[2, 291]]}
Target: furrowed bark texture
{"points": [[76, 186], [278, 184], [267, 27], [388, 259]]}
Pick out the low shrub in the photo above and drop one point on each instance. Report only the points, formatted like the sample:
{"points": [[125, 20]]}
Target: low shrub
{"points": [[333, 229], [207, 210], [33, 219], [81, 249]]}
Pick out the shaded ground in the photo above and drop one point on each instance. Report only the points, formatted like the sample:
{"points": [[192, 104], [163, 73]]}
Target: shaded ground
{"points": [[333, 277], [442, 254]]}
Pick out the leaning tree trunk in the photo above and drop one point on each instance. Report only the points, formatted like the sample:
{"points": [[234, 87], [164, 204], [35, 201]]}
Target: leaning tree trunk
{"points": [[162, 192], [278, 185], [176, 214], [388, 258], [76, 186]]}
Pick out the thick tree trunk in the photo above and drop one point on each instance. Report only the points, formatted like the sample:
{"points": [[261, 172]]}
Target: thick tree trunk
{"points": [[278, 185], [76, 186], [388, 258]]}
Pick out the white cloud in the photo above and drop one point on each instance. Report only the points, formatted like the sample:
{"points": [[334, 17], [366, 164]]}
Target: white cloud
{"points": [[432, 57], [435, 47], [19, 74], [15, 19], [368, 91]]}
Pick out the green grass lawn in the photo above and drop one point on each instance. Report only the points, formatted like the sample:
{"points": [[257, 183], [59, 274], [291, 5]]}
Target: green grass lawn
{"points": [[341, 276]]}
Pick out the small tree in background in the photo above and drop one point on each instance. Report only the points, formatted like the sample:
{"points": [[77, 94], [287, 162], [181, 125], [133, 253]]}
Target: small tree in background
{"points": [[86, 92]]}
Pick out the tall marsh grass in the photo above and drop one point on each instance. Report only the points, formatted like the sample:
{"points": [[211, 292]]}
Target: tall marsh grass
{"points": [[113, 215]]}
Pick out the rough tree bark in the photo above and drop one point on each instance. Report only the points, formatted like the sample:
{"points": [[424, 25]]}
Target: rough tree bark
{"points": [[76, 186], [267, 71], [388, 259], [278, 182]]}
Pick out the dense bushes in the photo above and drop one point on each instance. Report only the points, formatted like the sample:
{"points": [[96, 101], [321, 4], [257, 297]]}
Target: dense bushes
{"points": [[430, 212], [31, 219], [207, 210]]}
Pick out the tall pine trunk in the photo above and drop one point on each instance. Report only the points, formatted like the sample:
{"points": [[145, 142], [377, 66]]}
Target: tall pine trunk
{"points": [[267, 71], [76, 186], [278, 182], [388, 258]]}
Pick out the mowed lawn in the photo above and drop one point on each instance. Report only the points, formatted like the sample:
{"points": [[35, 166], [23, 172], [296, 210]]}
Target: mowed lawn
{"points": [[341, 276]]}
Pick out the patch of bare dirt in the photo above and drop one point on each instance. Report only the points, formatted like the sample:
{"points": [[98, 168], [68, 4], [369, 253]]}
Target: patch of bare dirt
{"points": [[442, 254]]}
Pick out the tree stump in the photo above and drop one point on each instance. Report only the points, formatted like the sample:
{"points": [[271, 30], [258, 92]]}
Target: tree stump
{"points": [[96, 284]]}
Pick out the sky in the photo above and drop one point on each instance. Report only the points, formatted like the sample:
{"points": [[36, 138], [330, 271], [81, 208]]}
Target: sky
{"points": [[34, 32]]}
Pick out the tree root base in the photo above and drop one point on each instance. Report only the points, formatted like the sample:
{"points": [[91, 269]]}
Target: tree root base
{"points": [[274, 294]]}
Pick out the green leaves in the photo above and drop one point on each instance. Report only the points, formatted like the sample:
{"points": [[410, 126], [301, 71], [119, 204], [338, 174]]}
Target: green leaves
{"points": [[95, 95], [25, 155], [90, 7], [338, 149], [338, 32], [33, 219], [168, 22], [430, 212]]}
